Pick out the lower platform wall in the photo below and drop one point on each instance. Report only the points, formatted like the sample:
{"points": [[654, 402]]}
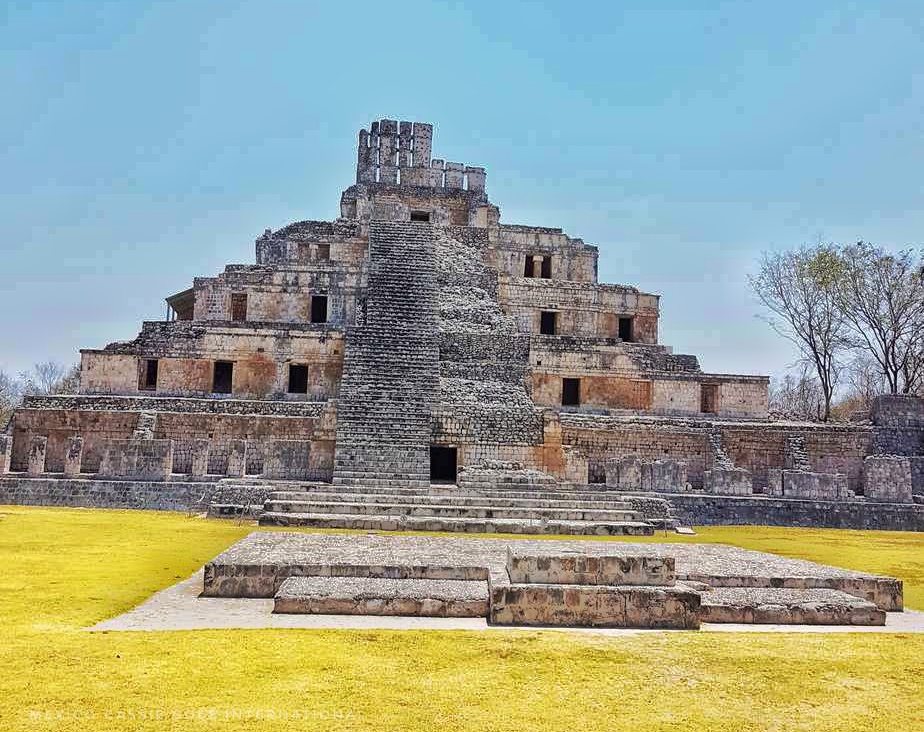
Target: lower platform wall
{"points": [[695, 510], [757, 448], [707, 510], [89, 493], [100, 428]]}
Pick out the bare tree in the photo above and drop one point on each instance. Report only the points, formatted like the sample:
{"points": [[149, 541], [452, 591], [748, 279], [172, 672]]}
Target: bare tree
{"points": [[797, 395], [863, 381], [10, 395], [882, 298], [50, 377], [800, 288]]}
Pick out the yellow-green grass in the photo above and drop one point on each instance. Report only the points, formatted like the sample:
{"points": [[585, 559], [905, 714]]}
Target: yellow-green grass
{"points": [[66, 569]]}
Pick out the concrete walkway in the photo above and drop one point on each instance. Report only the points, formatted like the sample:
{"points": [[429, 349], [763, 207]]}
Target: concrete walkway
{"points": [[180, 608]]}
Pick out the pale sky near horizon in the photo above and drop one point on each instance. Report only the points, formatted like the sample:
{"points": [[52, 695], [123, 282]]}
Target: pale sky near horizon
{"points": [[146, 143]]}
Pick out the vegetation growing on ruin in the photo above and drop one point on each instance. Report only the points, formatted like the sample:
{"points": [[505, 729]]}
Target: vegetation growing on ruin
{"points": [[65, 569]]}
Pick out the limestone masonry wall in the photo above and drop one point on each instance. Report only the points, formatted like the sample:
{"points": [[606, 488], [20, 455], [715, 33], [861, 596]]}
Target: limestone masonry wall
{"points": [[416, 335]]}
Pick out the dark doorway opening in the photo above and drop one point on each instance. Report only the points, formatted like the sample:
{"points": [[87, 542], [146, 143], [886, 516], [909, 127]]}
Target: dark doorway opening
{"points": [[546, 268], [222, 377], [298, 379], [625, 329], [149, 375], [547, 322], [528, 267], [570, 392], [443, 467], [239, 306], [709, 398], [319, 308], [422, 217]]}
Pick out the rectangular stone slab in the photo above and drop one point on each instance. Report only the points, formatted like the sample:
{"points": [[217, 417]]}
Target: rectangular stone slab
{"points": [[581, 568], [599, 606], [781, 606], [382, 596]]}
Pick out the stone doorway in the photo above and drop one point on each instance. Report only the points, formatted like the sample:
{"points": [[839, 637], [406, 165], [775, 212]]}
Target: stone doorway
{"points": [[443, 464]]}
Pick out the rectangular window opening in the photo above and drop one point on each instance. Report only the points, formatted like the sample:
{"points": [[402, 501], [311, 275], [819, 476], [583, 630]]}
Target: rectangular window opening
{"points": [[528, 267], [148, 381], [548, 322], [323, 252], [546, 268], [422, 217], [570, 392], [625, 330], [222, 376], [239, 306], [319, 308], [709, 398], [298, 379]]}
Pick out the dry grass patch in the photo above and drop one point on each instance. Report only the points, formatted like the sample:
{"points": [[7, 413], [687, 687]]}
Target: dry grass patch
{"points": [[65, 569]]}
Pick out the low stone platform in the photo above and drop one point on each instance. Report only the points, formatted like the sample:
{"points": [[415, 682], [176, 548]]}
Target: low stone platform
{"points": [[547, 583], [377, 596], [787, 607]]}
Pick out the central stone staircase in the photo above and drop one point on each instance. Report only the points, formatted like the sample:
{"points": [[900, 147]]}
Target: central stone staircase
{"points": [[555, 511], [391, 364]]}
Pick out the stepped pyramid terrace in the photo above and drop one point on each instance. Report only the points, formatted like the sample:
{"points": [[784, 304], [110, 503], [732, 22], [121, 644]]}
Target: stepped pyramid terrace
{"points": [[416, 364], [419, 363]]}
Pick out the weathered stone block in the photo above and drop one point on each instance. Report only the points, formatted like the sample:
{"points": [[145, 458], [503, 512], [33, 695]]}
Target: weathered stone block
{"points": [[138, 459], [594, 606], [887, 479], [624, 473], [287, 460], [667, 476], [237, 458], [815, 486], [785, 606], [898, 410], [382, 596], [728, 482], [37, 448], [6, 450], [587, 569], [775, 482], [199, 465], [73, 457]]}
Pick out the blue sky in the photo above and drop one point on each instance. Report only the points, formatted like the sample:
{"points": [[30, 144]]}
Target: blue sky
{"points": [[149, 143]]}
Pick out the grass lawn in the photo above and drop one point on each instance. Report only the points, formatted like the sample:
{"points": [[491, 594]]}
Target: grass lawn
{"points": [[64, 569]]}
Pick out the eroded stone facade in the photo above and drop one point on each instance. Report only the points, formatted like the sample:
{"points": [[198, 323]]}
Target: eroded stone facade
{"points": [[417, 336]]}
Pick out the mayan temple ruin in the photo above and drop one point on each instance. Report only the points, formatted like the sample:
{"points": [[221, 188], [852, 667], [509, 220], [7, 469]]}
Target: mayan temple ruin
{"points": [[416, 363]]}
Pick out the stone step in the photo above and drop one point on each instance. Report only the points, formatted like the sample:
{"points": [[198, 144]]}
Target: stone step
{"points": [[459, 525], [448, 510], [785, 606], [453, 491], [604, 606], [380, 596], [413, 497]]}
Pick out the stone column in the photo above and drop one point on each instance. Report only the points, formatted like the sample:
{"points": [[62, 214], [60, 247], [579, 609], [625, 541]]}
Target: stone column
{"points": [[200, 458], [6, 450], [237, 459], [37, 448], [73, 457]]}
